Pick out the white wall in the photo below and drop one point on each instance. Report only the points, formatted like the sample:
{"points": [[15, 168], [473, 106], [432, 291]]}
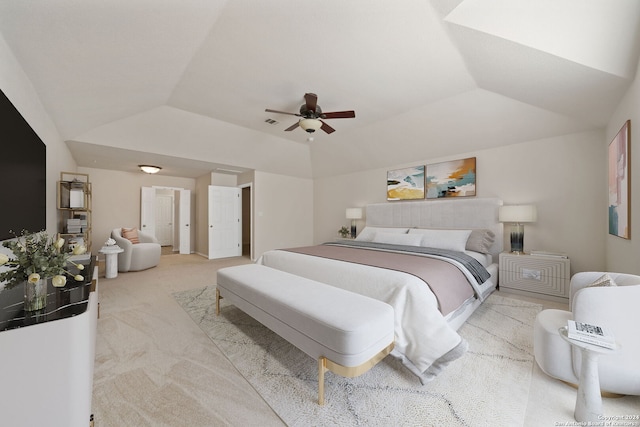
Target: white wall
{"points": [[565, 177], [116, 199], [16, 86], [622, 254], [283, 212]]}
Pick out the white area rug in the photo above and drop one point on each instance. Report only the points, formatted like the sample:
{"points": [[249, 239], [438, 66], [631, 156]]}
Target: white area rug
{"points": [[489, 385]]}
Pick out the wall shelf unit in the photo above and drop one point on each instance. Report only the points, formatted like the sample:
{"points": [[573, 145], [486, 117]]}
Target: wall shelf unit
{"points": [[74, 209]]}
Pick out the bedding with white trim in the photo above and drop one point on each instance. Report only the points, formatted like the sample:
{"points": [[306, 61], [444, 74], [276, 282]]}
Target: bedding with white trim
{"points": [[425, 341]]}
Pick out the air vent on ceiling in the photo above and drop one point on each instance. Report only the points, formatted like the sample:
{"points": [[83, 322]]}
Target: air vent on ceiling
{"points": [[271, 121]]}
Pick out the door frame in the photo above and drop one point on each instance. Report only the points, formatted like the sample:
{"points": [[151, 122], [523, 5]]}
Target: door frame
{"points": [[250, 207]]}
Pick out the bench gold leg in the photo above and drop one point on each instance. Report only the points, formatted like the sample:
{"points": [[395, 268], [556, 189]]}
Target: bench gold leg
{"points": [[218, 297], [325, 365], [322, 368]]}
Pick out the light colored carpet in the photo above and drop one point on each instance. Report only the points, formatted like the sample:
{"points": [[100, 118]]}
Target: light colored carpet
{"points": [[488, 386]]}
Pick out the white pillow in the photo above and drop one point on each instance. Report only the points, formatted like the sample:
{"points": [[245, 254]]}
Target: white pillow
{"points": [[453, 240], [367, 233], [397, 239]]}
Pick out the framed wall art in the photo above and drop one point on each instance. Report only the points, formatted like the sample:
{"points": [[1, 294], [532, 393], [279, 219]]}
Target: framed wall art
{"points": [[405, 184], [619, 183], [456, 178]]}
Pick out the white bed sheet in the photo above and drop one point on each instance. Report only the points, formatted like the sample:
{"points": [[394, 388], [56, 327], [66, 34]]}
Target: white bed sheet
{"points": [[414, 304]]}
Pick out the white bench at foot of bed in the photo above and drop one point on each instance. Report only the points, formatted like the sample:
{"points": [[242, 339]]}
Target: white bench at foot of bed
{"points": [[347, 333]]}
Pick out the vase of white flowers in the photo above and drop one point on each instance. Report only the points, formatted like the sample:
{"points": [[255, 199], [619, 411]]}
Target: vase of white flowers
{"points": [[37, 258]]}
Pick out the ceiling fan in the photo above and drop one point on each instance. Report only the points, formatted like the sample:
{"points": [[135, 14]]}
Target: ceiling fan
{"points": [[312, 115]]}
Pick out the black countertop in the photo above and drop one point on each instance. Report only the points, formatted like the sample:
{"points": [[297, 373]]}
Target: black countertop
{"points": [[68, 301]]}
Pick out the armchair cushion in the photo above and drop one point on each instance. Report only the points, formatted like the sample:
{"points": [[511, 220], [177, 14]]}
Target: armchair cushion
{"points": [[131, 234], [604, 280]]}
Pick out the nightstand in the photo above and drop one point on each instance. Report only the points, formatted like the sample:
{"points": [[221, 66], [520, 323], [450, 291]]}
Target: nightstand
{"points": [[542, 276]]}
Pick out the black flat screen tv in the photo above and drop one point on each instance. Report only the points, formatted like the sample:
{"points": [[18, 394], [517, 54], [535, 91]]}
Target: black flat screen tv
{"points": [[23, 174]]}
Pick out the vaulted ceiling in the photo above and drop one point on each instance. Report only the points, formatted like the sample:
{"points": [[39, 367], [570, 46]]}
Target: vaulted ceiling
{"points": [[185, 83]]}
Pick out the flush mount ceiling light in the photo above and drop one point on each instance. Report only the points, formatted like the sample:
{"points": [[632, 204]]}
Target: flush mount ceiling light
{"points": [[310, 125], [149, 168]]}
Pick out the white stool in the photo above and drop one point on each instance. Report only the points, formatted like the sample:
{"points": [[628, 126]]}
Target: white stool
{"points": [[111, 260]]}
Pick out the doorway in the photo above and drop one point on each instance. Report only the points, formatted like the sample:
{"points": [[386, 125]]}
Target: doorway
{"points": [[246, 221], [165, 212]]}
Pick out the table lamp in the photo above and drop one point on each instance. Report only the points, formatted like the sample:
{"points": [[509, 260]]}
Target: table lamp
{"points": [[517, 215], [353, 214]]}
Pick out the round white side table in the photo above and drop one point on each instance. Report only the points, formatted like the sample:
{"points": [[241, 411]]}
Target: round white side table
{"points": [[111, 260], [589, 400]]}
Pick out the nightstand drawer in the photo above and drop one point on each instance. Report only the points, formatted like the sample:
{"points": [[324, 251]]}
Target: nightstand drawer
{"points": [[543, 275]]}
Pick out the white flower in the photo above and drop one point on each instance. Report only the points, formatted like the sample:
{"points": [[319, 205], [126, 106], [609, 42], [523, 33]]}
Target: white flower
{"points": [[79, 250], [3, 259], [59, 281], [80, 267], [33, 277], [59, 243], [78, 277]]}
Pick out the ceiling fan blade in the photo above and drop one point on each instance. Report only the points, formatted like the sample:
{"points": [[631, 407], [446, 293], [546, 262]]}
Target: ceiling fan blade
{"points": [[292, 127], [282, 112], [312, 101], [339, 115], [325, 127]]}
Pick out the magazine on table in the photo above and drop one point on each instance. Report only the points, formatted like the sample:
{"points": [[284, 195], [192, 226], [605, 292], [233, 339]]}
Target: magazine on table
{"points": [[592, 334]]}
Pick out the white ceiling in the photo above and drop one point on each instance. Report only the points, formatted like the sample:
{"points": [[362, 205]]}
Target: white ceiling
{"points": [[185, 83]]}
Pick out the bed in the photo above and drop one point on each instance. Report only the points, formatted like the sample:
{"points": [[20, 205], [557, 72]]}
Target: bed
{"points": [[435, 262]]}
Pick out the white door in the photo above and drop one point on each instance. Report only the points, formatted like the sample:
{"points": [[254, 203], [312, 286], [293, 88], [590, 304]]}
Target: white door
{"points": [[225, 225], [164, 219], [184, 212], [147, 210]]}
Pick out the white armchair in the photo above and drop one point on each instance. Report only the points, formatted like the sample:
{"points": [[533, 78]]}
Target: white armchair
{"points": [[617, 308], [139, 256]]}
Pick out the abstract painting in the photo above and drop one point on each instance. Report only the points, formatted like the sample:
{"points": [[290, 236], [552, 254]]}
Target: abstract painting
{"points": [[619, 183], [456, 178], [405, 184]]}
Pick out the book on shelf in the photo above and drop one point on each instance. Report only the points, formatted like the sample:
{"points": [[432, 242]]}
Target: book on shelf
{"points": [[592, 334], [549, 254]]}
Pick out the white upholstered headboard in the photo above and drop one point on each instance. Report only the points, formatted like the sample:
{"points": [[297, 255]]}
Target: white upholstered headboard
{"points": [[450, 213]]}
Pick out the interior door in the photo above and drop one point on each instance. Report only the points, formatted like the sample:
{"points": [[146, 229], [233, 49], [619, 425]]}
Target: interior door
{"points": [[225, 224], [147, 210], [164, 219], [184, 212]]}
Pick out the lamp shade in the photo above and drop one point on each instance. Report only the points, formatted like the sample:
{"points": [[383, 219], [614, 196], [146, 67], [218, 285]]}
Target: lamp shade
{"points": [[310, 125], [517, 213], [354, 213]]}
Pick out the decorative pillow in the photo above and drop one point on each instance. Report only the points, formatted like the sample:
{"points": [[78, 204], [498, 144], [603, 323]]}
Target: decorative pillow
{"points": [[131, 234], [453, 240], [604, 280], [480, 240], [397, 238], [367, 233]]}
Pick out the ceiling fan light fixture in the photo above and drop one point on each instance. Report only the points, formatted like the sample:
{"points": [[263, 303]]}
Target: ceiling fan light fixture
{"points": [[310, 125], [149, 169]]}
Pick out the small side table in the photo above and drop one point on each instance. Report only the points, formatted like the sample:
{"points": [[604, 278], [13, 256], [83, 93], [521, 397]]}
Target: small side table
{"points": [[589, 400], [111, 260], [542, 276]]}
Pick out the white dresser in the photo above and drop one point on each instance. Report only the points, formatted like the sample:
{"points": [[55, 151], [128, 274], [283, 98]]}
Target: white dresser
{"points": [[541, 276], [47, 357]]}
